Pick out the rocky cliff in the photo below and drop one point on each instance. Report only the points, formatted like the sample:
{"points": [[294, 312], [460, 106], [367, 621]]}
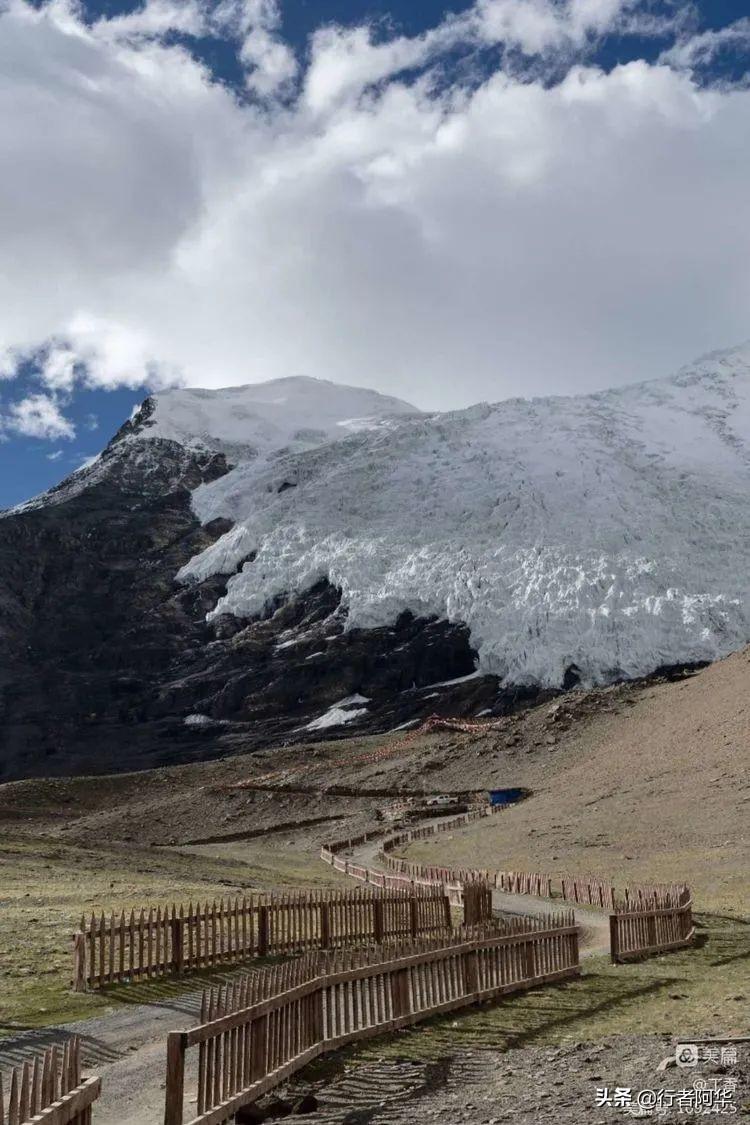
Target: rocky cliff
{"points": [[108, 663]]}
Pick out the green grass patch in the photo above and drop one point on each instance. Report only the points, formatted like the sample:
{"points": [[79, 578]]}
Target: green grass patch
{"points": [[704, 990], [47, 885]]}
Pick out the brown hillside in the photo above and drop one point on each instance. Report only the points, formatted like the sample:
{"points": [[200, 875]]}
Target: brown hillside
{"points": [[639, 781]]}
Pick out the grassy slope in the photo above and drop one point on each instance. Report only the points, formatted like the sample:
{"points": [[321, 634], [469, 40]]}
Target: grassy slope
{"points": [[703, 991], [47, 885], [638, 783]]}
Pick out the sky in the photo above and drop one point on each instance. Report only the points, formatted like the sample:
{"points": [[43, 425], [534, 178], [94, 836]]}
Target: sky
{"points": [[449, 204]]}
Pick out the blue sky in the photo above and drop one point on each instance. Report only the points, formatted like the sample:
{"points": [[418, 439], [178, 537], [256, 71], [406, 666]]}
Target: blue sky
{"points": [[28, 465], [520, 197]]}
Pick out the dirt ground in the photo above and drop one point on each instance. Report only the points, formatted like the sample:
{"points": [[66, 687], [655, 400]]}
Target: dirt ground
{"points": [[654, 785], [635, 782], [641, 781], [567, 1083]]}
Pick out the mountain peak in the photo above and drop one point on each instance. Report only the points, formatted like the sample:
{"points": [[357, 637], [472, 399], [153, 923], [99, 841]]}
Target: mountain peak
{"points": [[290, 414]]}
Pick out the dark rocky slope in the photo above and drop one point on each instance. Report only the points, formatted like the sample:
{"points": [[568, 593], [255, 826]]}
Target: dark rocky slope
{"points": [[104, 656]]}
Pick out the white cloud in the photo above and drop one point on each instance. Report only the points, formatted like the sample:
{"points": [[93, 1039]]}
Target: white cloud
{"points": [[8, 362], [345, 61], [58, 366], [271, 62], [540, 25], [37, 416], [252, 24], [54, 456], [443, 241], [155, 18], [692, 51]]}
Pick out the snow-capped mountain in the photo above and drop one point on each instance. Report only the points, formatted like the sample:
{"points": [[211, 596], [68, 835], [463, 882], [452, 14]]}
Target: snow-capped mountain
{"points": [[237, 425], [608, 531], [266, 419], [278, 560]]}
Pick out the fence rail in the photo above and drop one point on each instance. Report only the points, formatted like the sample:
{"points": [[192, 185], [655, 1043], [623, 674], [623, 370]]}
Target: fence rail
{"points": [[157, 942], [644, 919], [515, 882], [256, 1034], [49, 1090], [642, 926], [404, 873], [587, 890]]}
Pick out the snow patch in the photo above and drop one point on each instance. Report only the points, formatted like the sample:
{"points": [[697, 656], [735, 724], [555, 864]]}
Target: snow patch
{"points": [[340, 713], [198, 721], [458, 680]]}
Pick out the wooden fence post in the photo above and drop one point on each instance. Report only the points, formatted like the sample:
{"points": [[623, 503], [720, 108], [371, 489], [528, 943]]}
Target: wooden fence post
{"points": [[575, 953], [319, 1021], [79, 961], [471, 971], [325, 925], [176, 927], [175, 1087], [447, 909], [614, 939], [468, 897], [529, 960], [413, 916], [259, 1049], [399, 982], [262, 930], [377, 920]]}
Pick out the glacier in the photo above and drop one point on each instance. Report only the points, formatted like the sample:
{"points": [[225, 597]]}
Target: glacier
{"points": [[609, 531]]}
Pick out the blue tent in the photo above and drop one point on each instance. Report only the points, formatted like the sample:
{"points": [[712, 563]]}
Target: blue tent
{"points": [[507, 796]]}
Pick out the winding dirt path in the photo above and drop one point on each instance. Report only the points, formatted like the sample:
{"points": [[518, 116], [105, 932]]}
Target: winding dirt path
{"points": [[593, 923], [127, 1046]]}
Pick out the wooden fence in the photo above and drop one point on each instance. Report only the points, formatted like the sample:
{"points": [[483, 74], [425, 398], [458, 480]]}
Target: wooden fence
{"points": [[427, 726], [158, 942], [646, 919], [524, 883], [477, 896], [254, 1035], [647, 896], [643, 924], [405, 873], [49, 1090], [515, 882], [588, 890], [452, 882]]}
